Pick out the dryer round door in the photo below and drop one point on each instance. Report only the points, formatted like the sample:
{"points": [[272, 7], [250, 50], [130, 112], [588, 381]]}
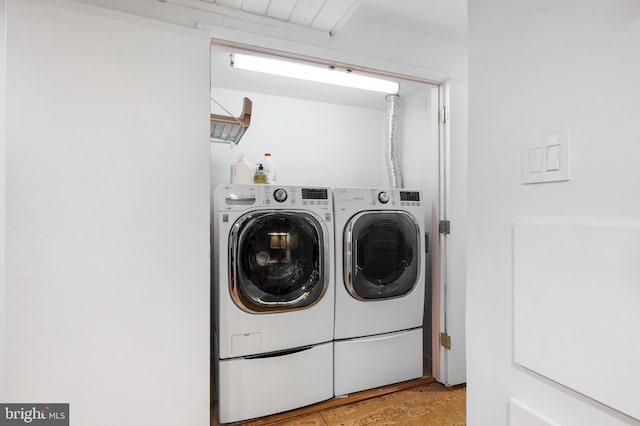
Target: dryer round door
{"points": [[381, 255], [278, 261]]}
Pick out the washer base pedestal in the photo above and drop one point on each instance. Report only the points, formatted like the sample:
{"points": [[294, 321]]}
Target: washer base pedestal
{"points": [[373, 361], [260, 386]]}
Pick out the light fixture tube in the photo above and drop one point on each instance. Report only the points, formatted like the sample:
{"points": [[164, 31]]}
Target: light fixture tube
{"points": [[313, 73]]}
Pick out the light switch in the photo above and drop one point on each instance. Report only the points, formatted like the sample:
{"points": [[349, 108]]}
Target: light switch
{"points": [[535, 160], [553, 158]]}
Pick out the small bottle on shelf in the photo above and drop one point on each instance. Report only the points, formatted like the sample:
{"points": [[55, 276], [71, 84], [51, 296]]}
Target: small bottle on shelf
{"points": [[260, 176], [269, 168]]}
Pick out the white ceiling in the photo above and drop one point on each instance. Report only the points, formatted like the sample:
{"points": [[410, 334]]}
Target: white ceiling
{"points": [[446, 18], [323, 15], [326, 16]]}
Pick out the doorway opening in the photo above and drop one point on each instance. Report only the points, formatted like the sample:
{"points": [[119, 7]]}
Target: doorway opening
{"points": [[334, 136]]}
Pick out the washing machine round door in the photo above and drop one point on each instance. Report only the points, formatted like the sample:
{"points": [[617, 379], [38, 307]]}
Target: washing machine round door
{"points": [[381, 254], [278, 261]]}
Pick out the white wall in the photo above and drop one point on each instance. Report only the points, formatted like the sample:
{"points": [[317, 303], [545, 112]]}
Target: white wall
{"points": [[106, 300], [312, 143], [540, 67], [319, 143]]}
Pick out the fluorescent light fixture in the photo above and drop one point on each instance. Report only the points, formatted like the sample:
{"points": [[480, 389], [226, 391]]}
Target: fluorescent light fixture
{"points": [[313, 73]]}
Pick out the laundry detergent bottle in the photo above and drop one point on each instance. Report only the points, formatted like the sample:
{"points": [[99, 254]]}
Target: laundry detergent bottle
{"points": [[269, 167], [242, 171]]}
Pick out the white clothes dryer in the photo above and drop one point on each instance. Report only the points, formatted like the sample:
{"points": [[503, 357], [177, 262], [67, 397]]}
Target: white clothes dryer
{"points": [[273, 298], [380, 287]]}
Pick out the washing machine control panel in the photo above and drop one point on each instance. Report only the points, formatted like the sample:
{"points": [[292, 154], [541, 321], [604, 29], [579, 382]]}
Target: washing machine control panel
{"points": [[315, 197], [239, 197], [315, 194], [295, 196]]}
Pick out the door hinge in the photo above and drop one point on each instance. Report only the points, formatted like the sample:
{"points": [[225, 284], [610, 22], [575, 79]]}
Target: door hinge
{"points": [[443, 115], [445, 227], [445, 340]]}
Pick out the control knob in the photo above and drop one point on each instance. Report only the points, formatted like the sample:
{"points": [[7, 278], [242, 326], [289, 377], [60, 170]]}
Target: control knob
{"points": [[280, 195], [383, 197]]}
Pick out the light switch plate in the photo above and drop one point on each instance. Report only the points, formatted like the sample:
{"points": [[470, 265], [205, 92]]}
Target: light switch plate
{"points": [[547, 159]]}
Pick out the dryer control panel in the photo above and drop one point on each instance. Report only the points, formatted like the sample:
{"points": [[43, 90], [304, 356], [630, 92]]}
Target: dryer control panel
{"points": [[391, 197], [410, 198]]}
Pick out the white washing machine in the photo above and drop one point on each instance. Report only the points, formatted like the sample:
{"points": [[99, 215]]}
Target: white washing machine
{"points": [[273, 298], [380, 282]]}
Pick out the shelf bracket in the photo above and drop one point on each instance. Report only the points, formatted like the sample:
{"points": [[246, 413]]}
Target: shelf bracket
{"points": [[229, 129]]}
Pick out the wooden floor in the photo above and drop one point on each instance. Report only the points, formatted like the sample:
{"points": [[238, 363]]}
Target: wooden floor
{"points": [[419, 402]]}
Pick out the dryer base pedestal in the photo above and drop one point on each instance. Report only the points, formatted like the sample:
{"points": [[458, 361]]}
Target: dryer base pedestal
{"points": [[368, 362], [260, 386]]}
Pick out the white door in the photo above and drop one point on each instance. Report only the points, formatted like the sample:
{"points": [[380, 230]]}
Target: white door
{"points": [[449, 258]]}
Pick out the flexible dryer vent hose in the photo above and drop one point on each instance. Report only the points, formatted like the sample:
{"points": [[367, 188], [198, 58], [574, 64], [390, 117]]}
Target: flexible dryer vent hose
{"points": [[393, 163]]}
